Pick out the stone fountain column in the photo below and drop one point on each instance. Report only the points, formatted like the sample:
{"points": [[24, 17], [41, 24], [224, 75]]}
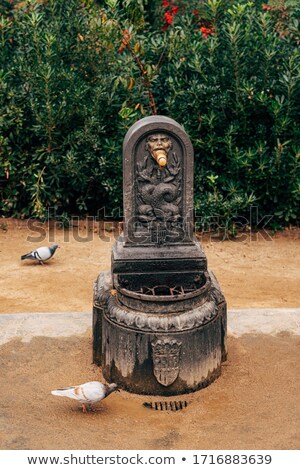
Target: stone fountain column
{"points": [[159, 317]]}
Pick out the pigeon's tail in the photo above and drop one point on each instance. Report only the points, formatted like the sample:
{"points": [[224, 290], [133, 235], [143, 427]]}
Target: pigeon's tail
{"points": [[27, 256], [63, 392]]}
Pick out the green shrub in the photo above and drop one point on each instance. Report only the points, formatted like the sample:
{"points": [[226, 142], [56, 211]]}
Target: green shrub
{"points": [[75, 75]]}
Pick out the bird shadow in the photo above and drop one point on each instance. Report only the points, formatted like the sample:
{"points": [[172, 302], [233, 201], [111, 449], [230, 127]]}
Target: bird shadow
{"points": [[33, 263]]}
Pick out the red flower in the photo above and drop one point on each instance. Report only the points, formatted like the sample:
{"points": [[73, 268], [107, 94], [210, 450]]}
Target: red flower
{"points": [[206, 31], [169, 14], [168, 17]]}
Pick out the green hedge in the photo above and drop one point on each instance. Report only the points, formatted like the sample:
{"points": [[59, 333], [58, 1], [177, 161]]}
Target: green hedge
{"points": [[75, 75]]}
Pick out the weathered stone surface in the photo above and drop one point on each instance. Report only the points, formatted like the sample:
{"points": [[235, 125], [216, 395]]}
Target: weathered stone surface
{"points": [[159, 316], [158, 202]]}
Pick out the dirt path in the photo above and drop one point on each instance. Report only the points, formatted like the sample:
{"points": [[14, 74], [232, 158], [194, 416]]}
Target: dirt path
{"points": [[253, 272], [253, 405]]}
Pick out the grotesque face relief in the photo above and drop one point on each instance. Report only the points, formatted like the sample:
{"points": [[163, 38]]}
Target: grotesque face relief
{"points": [[159, 146]]}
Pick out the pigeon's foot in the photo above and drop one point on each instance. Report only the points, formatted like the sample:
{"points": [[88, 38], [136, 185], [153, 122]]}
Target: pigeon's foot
{"points": [[87, 407], [84, 410]]}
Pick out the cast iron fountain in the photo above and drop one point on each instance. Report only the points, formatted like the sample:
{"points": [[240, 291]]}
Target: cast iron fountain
{"points": [[159, 317]]}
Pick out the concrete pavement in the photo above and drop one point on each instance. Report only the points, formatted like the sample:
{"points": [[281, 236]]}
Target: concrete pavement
{"points": [[269, 321]]}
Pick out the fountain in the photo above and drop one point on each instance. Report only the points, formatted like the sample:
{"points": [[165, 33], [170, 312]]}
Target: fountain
{"points": [[159, 315]]}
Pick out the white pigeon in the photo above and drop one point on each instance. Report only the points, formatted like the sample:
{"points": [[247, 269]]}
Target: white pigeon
{"points": [[44, 253], [87, 393]]}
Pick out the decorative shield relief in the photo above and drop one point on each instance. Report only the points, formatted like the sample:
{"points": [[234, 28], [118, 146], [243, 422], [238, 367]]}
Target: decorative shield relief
{"points": [[166, 360]]}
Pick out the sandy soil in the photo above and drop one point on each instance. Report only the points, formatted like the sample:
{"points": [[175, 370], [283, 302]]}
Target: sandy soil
{"points": [[253, 405], [253, 271]]}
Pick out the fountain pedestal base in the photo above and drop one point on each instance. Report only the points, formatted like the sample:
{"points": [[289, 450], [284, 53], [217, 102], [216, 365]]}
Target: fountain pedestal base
{"points": [[159, 353]]}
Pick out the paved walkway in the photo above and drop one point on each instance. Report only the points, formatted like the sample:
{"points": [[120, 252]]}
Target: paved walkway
{"points": [[255, 321]]}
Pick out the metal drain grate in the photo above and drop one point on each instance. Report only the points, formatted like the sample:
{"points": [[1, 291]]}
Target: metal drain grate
{"points": [[165, 290], [166, 405]]}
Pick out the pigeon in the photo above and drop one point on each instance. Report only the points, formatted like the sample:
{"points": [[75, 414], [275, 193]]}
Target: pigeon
{"points": [[87, 393], [44, 253]]}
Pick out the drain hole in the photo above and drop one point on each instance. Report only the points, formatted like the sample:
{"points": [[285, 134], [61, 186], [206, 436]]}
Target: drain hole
{"points": [[166, 405]]}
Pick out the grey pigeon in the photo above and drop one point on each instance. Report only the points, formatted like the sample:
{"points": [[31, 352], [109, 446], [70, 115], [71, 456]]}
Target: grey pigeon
{"points": [[44, 253], [87, 393]]}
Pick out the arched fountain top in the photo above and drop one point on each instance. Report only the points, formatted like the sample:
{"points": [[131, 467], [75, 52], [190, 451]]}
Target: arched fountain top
{"points": [[158, 170]]}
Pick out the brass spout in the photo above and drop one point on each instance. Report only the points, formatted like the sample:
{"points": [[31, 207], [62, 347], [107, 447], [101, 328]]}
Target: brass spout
{"points": [[161, 158]]}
